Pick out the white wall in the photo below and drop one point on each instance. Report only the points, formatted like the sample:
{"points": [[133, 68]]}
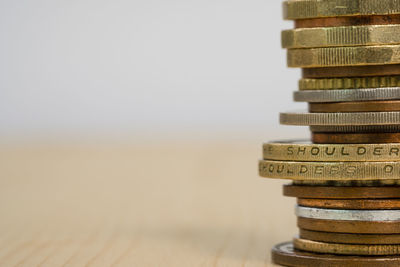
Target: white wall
{"points": [[143, 66]]}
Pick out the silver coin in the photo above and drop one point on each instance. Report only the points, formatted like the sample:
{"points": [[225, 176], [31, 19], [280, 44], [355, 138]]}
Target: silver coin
{"points": [[344, 95], [350, 118], [348, 215], [356, 129]]}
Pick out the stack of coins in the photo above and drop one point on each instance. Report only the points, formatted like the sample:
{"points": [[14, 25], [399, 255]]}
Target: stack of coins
{"points": [[347, 178]]}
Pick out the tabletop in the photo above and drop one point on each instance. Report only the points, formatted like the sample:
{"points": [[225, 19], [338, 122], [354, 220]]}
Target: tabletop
{"points": [[139, 203]]}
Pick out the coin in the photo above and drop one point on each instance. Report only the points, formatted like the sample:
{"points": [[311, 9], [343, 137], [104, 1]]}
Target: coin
{"points": [[284, 254], [356, 129], [350, 204], [355, 138], [343, 56], [325, 171], [334, 192], [351, 71], [348, 215], [341, 36], [350, 238], [348, 118], [345, 249], [306, 151], [388, 182], [361, 106], [349, 83], [303, 9], [347, 21], [350, 227], [349, 95]]}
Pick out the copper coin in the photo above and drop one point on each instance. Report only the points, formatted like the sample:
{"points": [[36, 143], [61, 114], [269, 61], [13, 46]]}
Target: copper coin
{"points": [[348, 21], [350, 227], [350, 204], [355, 138], [354, 71], [346, 249], [354, 183], [284, 254], [375, 239], [336, 192], [361, 106]]}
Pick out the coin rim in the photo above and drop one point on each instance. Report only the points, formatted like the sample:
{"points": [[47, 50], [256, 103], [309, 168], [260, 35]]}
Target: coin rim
{"points": [[343, 56], [351, 71], [276, 151], [347, 21], [345, 192], [355, 129], [347, 214], [303, 9], [362, 170], [342, 118], [285, 254], [350, 227], [346, 249], [344, 238], [356, 106], [345, 95], [350, 204], [349, 83], [355, 138], [339, 36]]}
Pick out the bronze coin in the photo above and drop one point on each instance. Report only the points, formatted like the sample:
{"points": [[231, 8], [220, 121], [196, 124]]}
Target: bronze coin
{"points": [[284, 254], [354, 183], [355, 138], [350, 204], [346, 249], [348, 21], [350, 227], [352, 71], [341, 192], [375, 239], [361, 106]]}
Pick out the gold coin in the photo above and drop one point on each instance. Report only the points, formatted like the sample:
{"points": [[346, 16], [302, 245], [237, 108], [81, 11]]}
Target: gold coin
{"points": [[326, 171], [341, 36], [343, 56], [302, 9], [306, 151], [345, 249], [352, 71], [347, 21], [349, 83]]}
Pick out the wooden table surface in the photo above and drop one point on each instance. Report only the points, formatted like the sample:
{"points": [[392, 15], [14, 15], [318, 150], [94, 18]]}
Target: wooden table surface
{"points": [[139, 204]]}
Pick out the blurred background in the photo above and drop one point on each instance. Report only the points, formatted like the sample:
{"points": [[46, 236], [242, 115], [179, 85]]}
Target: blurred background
{"points": [[146, 115], [120, 68]]}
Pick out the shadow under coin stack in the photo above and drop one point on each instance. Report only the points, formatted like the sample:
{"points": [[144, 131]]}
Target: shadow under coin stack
{"points": [[347, 180]]}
